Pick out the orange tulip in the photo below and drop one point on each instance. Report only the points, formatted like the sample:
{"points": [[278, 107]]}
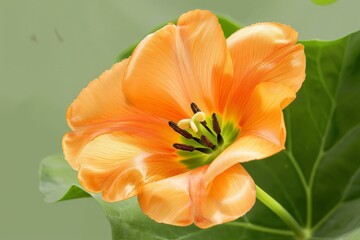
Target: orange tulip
{"points": [[172, 123]]}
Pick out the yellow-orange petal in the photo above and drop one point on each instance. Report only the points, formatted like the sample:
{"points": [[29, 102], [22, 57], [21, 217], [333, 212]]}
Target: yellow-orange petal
{"points": [[111, 165], [101, 108], [140, 128], [263, 131], [264, 52], [175, 66], [168, 201], [246, 148], [72, 145], [263, 115], [97, 110], [101, 101], [185, 199]]}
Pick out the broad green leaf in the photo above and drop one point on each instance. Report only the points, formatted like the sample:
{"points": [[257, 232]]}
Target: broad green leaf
{"points": [[317, 177], [228, 28], [323, 2], [58, 180]]}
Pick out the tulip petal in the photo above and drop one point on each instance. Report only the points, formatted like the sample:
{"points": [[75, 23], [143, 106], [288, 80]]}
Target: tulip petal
{"points": [[245, 149], [101, 101], [263, 114], [175, 66], [185, 199], [139, 126], [263, 131], [168, 201], [95, 111], [113, 166], [101, 108], [264, 52]]}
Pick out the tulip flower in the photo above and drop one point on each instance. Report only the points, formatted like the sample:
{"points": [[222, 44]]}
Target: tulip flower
{"points": [[173, 123]]}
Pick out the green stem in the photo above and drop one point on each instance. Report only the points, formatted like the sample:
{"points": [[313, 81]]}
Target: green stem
{"points": [[282, 213]]}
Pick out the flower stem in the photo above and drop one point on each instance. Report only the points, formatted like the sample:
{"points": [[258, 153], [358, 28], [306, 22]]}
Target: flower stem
{"points": [[282, 213]]}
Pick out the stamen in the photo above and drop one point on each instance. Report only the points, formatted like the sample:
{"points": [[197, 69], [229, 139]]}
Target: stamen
{"points": [[182, 132], [184, 147], [195, 108], [207, 142], [220, 139], [216, 125], [217, 129], [190, 148]]}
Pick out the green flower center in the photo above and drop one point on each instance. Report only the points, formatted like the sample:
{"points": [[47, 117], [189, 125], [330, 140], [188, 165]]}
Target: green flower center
{"points": [[202, 141]]}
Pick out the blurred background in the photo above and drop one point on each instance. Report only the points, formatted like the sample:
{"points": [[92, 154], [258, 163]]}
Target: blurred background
{"points": [[50, 50]]}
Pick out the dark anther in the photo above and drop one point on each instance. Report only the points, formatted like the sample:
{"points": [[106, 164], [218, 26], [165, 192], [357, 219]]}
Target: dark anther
{"points": [[216, 125], [207, 142], [220, 139], [204, 150], [217, 129], [184, 147], [182, 132], [195, 108], [190, 148]]}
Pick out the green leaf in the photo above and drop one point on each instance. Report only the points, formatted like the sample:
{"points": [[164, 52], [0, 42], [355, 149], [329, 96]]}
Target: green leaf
{"points": [[323, 2], [228, 28], [317, 177], [58, 180]]}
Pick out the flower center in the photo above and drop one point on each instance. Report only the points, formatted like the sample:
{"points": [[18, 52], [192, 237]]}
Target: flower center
{"points": [[202, 138]]}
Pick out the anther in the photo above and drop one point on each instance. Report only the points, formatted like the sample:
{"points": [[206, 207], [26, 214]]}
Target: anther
{"points": [[190, 148], [195, 108], [207, 142], [220, 139], [182, 132], [216, 125], [184, 147], [217, 129]]}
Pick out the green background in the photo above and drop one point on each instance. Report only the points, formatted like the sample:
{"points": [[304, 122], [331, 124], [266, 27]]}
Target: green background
{"points": [[50, 50]]}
